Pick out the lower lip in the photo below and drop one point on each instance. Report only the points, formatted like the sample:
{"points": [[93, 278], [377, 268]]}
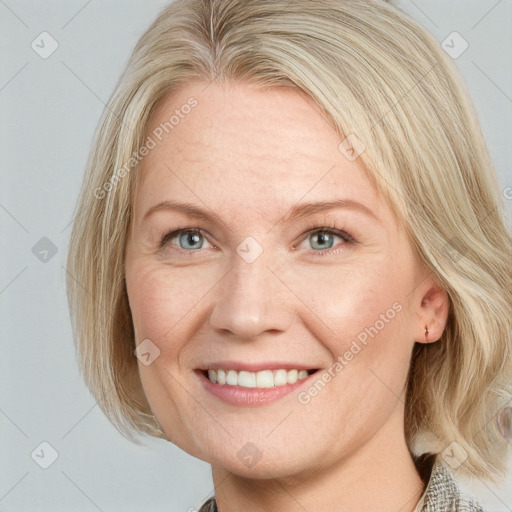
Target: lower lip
{"points": [[249, 397]]}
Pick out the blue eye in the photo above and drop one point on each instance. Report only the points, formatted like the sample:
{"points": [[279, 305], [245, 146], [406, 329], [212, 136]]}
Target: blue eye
{"points": [[192, 240], [188, 239], [323, 239]]}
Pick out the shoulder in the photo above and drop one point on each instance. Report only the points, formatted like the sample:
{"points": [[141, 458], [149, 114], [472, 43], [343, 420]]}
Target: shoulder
{"points": [[443, 495]]}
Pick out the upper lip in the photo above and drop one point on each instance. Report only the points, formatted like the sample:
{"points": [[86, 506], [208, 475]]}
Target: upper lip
{"points": [[254, 367]]}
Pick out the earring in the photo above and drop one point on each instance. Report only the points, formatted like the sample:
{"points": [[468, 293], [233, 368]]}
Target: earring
{"points": [[426, 334]]}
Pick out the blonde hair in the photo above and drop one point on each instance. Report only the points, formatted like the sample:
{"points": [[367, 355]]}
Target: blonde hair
{"points": [[378, 76]]}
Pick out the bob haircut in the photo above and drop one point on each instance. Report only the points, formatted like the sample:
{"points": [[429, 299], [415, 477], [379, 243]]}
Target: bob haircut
{"points": [[379, 78]]}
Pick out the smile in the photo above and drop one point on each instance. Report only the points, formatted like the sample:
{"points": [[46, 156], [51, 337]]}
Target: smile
{"points": [[261, 379], [250, 387]]}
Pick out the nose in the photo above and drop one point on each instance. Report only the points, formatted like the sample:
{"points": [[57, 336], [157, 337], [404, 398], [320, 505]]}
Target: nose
{"points": [[251, 301]]}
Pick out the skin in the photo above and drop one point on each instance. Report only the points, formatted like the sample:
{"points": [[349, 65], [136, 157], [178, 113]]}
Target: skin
{"points": [[250, 156]]}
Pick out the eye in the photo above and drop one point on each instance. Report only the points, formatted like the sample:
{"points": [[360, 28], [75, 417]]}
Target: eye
{"points": [[189, 240], [323, 239]]}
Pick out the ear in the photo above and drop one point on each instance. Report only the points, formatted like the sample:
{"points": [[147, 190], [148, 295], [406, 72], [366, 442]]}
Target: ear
{"points": [[433, 305]]}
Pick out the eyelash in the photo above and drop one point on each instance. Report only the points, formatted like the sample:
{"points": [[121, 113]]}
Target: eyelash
{"points": [[312, 228], [330, 228]]}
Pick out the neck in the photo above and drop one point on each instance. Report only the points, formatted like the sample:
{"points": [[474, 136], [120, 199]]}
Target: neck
{"points": [[379, 475]]}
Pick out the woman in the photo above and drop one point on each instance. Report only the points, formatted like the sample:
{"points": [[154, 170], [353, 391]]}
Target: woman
{"points": [[291, 259]]}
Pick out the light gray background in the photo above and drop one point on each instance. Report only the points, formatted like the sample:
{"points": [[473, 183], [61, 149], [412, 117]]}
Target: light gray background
{"points": [[49, 110]]}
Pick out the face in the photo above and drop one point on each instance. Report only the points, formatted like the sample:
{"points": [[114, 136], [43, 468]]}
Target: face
{"points": [[258, 249]]}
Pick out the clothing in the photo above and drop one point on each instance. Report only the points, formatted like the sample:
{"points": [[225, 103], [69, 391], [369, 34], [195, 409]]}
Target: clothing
{"points": [[441, 495]]}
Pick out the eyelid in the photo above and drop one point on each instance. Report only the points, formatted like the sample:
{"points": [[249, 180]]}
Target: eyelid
{"points": [[327, 224], [326, 229]]}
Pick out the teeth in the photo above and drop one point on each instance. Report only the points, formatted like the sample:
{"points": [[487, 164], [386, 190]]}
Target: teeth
{"points": [[246, 379], [265, 379], [302, 374], [232, 378], [291, 376], [261, 379], [280, 378]]}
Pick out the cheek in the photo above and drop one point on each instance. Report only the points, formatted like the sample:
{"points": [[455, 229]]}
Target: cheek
{"points": [[161, 302], [164, 301], [352, 297], [368, 314], [150, 303], [367, 311]]}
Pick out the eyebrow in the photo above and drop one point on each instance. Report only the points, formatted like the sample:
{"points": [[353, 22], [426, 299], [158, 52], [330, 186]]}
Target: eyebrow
{"points": [[297, 212]]}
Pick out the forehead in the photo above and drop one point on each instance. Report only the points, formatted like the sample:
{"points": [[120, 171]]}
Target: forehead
{"points": [[242, 147]]}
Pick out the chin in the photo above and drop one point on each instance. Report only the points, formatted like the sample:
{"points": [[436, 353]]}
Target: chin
{"points": [[260, 458]]}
